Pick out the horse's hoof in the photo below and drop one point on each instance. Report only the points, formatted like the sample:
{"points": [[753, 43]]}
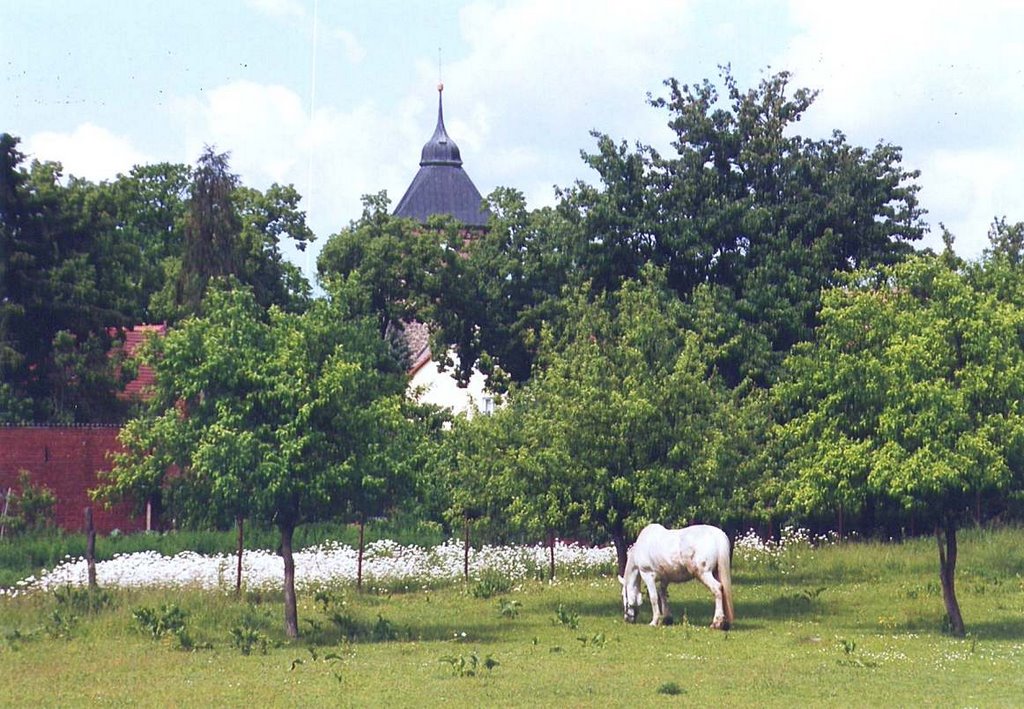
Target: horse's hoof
{"points": [[668, 620], [720, 625]]}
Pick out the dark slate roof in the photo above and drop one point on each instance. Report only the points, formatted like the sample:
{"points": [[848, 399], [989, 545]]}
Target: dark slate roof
{"points": [[441, 186]]}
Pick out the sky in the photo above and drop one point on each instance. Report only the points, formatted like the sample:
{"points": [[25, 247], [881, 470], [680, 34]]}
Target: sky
{"points": [[337, 97]]}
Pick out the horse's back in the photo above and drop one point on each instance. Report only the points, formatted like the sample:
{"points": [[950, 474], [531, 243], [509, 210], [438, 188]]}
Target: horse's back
{"points": [[669, 551]]}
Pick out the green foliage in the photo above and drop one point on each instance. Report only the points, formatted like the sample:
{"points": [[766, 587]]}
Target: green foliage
{"points": [[911, 392], [509, 608], [390, 261], [70, 605], [671, 689], [291, 418], [383, 630], [469, 665], [79, 260], [30, 510], [623, 423], [83, 601], [567, 617], [169, 619], [491, 583], [247, 638], [166, 622]]}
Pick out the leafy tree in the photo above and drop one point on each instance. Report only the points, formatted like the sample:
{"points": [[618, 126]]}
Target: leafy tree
{"points": [[285, 418], [618, 427], [392, 258], [54, 293], [212, 230], [268, 218], [495, 293], [146, 211], [912, 393], [79, 260], [744, 204], [32, 508]]}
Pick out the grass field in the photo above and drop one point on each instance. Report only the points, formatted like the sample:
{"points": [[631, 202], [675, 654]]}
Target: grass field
{"points": [[840, 625]]}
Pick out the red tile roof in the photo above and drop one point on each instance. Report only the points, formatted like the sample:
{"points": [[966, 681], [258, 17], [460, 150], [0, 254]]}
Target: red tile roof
{"points": [[417, 339], [143, 383]]}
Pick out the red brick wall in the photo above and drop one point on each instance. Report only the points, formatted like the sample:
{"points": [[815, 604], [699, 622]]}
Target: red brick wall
{"points": [[66, 459]]}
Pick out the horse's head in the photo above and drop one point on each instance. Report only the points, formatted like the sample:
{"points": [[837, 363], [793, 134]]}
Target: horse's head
{"points": [[631, 598]]}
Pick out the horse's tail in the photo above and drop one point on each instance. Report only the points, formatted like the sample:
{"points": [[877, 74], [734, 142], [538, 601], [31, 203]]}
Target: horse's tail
{"points": [[725, 577]]}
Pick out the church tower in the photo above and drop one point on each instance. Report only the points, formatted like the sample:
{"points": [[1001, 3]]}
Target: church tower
{"points": [[441, 186]]}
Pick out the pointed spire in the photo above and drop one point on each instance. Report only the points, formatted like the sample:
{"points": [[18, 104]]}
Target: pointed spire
{"points": [[440, 149], [441, 186]]}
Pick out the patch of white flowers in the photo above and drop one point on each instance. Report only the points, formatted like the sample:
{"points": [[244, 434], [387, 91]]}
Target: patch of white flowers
{"points": [[386, 564], [774, 554]]}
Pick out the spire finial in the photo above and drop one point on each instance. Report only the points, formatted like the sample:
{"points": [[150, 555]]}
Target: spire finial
{"points": [[440, 80]]}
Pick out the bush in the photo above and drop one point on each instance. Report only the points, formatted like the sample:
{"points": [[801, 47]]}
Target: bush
{"points": [[30, 510]]}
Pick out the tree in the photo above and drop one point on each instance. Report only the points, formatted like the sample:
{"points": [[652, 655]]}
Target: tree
{"points": [[912, 392], [268, 218], [212, 230], [80, 260], [619, 426], [494, 294], [744, 204], [285, 418], [57, 304], [391, 258]]}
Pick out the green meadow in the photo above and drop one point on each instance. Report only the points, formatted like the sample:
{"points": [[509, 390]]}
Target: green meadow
{"points": [[852, 624]]}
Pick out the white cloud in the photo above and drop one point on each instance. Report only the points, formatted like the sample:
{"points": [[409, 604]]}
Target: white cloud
{"points": [[332, 159], [88, 151], [973, 187], [262, 126], [354, 50], [539, 75], [941, 84], [279, 8]]}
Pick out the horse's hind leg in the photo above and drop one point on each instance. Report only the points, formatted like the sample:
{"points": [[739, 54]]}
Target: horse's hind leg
{"points": [[666, 614], [708, 579]]}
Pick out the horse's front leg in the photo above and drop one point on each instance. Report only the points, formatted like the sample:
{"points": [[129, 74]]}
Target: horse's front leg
{"points": [[654, 592]]}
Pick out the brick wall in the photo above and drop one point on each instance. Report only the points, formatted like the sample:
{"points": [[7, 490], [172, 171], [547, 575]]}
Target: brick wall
{"points": [[66, 459]]}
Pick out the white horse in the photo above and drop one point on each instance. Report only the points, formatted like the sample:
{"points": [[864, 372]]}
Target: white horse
{"points": [[662, 556]]}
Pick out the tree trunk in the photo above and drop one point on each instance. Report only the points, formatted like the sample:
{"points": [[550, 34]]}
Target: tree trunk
{"points": [[90, 547], [291, 614], [946, 537], [362, 544], [241, 547], [621, 549], [551, 554], [465, 551]]}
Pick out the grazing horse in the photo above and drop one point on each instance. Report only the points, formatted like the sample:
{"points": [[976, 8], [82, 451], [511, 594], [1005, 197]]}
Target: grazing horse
{"points": [[662, 556]]}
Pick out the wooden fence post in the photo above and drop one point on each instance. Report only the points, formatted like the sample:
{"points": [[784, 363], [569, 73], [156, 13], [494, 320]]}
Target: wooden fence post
{"points": [[90, 547], [551, 553], [241, 547], [359, 566], [465, 551]]}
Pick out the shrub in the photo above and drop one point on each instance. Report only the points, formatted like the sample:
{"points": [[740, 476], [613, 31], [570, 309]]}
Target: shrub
{"points": [[30, 510], [167, 622]]}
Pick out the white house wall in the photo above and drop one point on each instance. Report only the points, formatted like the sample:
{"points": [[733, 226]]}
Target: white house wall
{"points": [[440, 388]]}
